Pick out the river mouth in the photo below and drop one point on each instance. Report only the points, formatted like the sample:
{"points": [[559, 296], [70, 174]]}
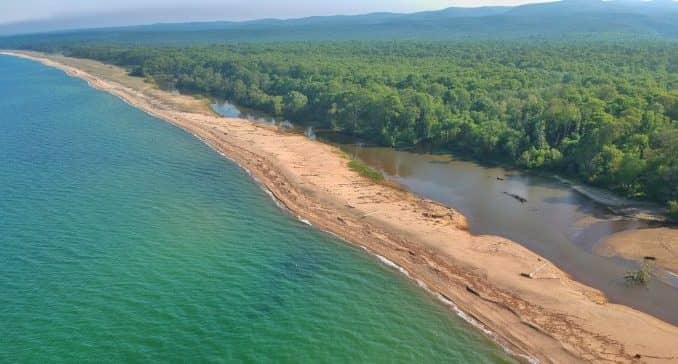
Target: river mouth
{"points": [[542, 213]]}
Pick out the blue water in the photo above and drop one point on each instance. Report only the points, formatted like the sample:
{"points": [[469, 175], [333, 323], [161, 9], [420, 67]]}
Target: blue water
{"points": [[124, 239]]}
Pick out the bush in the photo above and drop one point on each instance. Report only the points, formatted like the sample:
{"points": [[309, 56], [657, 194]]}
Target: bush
{"points": [[640, 277], [137, 71], [673, 210]]}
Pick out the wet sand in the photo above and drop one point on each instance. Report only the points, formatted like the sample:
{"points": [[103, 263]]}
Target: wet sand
{"points": [[660, 244], [619, 205], [549, 316]]}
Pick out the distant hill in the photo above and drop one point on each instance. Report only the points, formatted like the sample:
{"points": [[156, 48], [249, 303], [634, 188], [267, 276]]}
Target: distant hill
{"points": [[567, 18]]}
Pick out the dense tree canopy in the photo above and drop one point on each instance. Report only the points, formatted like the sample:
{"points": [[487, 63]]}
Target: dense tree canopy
{"points": [[605, 112]]}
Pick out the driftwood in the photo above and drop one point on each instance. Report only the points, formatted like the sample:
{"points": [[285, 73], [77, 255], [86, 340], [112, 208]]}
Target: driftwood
{"points": [[369, 214], [531, 274]]}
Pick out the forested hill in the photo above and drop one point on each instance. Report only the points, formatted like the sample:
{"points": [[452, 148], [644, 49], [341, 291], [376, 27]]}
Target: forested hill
{"points": [[567, 18]]}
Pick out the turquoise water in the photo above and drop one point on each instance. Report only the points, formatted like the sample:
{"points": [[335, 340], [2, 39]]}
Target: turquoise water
{"points": [[124, 239]]}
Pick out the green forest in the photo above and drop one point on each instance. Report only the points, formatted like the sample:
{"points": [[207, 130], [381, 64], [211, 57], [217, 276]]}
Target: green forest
{"points": [[604, 112]]}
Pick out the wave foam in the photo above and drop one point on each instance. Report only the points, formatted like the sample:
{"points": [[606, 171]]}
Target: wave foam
{"points": [[463, 315], [304, 221]]}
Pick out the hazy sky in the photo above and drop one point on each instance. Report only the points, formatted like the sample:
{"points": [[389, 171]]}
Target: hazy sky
{"points": [[176, 10]]}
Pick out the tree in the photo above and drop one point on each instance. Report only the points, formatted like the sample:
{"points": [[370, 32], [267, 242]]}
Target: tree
{"points": [[294, 102]]}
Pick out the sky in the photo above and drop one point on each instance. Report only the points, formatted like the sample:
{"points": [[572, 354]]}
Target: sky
{"points": [[146, 11]]}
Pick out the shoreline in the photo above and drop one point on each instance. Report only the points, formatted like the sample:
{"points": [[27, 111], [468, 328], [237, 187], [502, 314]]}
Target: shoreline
{"points": [[618, 205], [550, 318]]}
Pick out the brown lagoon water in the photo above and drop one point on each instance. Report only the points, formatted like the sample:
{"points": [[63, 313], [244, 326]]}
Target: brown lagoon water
{"points": [[555, 221]]}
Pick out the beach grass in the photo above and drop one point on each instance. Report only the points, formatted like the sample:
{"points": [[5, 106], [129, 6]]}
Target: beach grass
{"points": [[365, 170]]}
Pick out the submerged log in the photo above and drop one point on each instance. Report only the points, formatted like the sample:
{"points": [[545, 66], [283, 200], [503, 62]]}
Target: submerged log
{"points": [[519, 198]]}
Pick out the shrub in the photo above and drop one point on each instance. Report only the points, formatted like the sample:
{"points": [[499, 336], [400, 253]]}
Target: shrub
{"points": [[641, 276], [673, 210]]}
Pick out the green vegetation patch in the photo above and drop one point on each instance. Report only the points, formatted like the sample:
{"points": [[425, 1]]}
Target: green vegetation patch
{"points": [[365, 170]]}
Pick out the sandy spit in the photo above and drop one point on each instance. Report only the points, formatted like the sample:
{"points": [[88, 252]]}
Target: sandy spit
{"points": [[550, 317], [659, 243]]}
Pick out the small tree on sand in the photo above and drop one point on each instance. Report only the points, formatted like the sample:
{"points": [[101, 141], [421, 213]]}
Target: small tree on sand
{"points": [[641, 276]]}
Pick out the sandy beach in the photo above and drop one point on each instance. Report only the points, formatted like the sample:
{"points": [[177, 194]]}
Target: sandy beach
{"points": [[548, 317]]}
